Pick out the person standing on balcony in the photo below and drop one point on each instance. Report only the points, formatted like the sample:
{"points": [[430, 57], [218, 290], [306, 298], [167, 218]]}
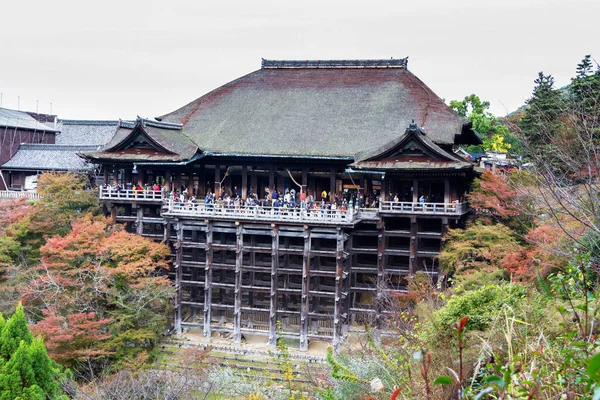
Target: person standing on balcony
{"points": [[324, 195]]}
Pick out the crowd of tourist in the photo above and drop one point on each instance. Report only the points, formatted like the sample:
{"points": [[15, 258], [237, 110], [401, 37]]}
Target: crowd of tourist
{"points": [[286, 200]]}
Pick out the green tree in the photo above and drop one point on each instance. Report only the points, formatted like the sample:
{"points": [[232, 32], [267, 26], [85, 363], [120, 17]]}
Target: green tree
{"points": [[541, 118], [495, 135], [26, 371]]}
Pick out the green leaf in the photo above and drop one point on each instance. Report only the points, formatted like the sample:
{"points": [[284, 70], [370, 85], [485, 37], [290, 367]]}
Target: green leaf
{"points": [[593, 367], [443, 380], [494, 380]]}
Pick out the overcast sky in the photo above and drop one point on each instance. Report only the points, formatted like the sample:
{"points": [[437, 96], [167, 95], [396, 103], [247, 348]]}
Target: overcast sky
{"points": [[114, 59]]}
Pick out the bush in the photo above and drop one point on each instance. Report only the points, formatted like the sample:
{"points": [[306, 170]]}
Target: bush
{"points": [[481, 306]]}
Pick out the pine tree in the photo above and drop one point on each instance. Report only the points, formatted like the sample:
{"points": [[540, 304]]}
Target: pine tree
{"points": [[541, 119], [26, 371]]}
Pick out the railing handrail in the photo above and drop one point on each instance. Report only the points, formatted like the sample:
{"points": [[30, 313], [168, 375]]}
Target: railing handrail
{"points": [[262, 212], [143, 194], [12, 194], [454, 207]]}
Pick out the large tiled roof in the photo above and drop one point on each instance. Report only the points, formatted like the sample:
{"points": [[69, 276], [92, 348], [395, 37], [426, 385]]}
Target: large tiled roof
{"points": [[167, 139], [49, 157], [23, 120], [85, 133], [316, 108]]}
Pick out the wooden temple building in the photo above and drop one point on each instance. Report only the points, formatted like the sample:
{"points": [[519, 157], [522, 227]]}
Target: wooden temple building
{"points": [[368, 133]]}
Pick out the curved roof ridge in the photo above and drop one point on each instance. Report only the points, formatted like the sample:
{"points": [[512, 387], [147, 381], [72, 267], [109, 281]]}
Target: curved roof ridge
{"points": [[356, 63]]}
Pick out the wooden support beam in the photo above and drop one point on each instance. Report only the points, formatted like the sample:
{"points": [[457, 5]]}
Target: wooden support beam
{"points": [[447, 195], [140, 176], [105, 175], [332, 174], [412, 266], [339, 280], [384, 188], [208, 275], [167, 184], [178, 277], [177, 183], [304, 179], [304, 302], [190, 185], [253, 182], [217, 182], [381, 283], [244, 182], [194, 274], [237, 302], [271, 178], [346, 286], [202, 182], [138, 221], [415, 191], [274, 281]]}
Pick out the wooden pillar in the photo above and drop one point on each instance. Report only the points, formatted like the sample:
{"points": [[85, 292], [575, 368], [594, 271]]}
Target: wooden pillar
{"points": [[253, 183], [208, 274], [271, 178], [274, 281], [202, 182], [217, 180], [140, 177], [237, 303], [167, 185], [113, 212], [304, 302], [384, 189], [280, 183], [166, 231], [244, 182], [304, 179], [177, 183], [339, 281], [178, 277], [415, 191], [447, 196], [138, 220], [190, 185], [381, 284], [104, 175], [332, 174], [115, 175], [412, 266]]}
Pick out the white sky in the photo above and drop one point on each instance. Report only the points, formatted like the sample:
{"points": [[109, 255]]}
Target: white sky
{"points": [[114, 59]]}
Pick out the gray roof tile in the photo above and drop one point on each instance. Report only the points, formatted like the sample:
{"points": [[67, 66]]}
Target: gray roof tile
{"points": [[49, 157]]}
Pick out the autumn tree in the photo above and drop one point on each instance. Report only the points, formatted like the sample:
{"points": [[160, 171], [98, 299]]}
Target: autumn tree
{"points": [[26, 371], [561, 131], [475, 255], [99, 279], [63, 196]]}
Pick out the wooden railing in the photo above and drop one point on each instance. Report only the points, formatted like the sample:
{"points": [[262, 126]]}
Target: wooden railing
{"points": [[399, 207], [9, 194], [137, 195], [261, 213]]}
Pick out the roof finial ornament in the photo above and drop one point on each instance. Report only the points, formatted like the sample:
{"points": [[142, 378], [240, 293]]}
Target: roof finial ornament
{"points": [[414, 128]]}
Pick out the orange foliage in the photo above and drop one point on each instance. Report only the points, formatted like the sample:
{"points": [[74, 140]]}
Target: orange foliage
{"points": [[12, 211], [494, 196], [525, 264], [94, 258], [74, 338]]}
